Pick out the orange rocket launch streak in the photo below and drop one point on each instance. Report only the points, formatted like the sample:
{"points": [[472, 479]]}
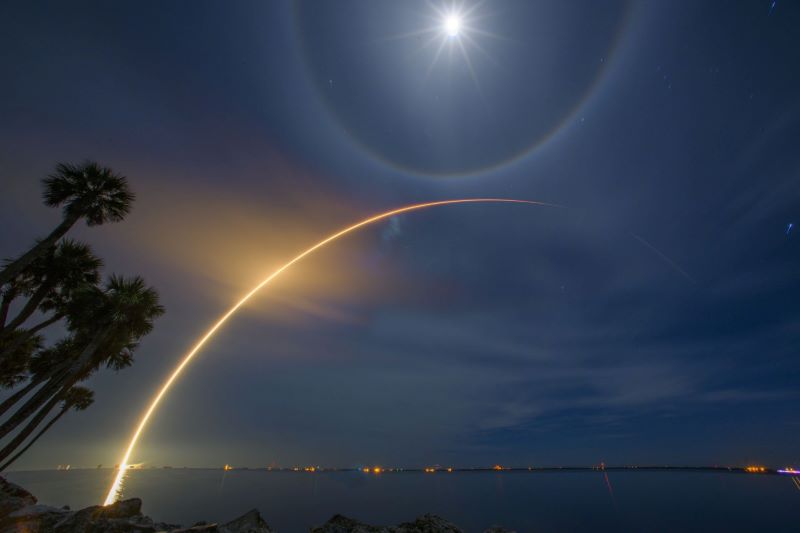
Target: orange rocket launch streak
{"points": [[123, 464]]}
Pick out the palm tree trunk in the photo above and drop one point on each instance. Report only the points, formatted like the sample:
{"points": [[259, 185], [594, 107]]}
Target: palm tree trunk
{"points": [[29, 307], [34, 423], [8, 296], [35, 382], [34, 439], [14, 268], [17, 396], [41, 325], [42, 395], [54, 384]]}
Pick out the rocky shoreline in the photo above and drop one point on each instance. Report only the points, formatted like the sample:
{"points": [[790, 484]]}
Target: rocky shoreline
{"points": [[20, 512]]}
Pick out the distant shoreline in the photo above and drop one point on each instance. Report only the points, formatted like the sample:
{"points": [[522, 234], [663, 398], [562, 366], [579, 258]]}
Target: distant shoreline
{"points": [[448, 470]]}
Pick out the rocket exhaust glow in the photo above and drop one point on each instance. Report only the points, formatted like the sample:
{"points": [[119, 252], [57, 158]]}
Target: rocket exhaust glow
{"points": [[123, 464]]}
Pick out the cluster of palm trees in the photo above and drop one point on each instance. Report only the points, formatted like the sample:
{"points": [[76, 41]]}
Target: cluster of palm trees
{"points": [[58, 283]]}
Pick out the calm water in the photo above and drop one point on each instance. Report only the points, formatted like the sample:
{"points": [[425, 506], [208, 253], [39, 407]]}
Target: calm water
{"points": [[535, 502]]}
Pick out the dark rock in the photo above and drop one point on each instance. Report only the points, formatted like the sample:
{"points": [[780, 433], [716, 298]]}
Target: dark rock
{"points": [[117, 525], [13, 497], [121, 509], [76, 520], [163, 526], [498, 529], [12, 489], [35, 517], [424, 524], [343, 524], [250, 522], [114, 517], [428, 523], [200, 528]]}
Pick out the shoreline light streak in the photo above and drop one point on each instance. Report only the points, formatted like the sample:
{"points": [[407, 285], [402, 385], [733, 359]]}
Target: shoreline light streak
{"points": [[116, 486]]}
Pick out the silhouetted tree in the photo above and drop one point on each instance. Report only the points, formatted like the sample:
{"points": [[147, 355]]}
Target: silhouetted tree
{"points": [[77, 398], [58, 281], [42, 366], [88, 191], [20, 346], [113, 321], [49, 283]]}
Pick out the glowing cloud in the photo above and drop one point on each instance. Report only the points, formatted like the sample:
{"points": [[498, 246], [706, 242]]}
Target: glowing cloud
{"points": [[116, 486]]}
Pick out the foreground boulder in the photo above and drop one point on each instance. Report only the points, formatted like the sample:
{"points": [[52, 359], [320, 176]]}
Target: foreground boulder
{"points": [[13, 498], [250, 522], [111, 516], [121, 517], [343, 524], [428, 523], [21, 514], [424, 524]]}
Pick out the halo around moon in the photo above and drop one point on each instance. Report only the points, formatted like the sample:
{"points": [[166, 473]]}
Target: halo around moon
{"points": [[438, 91]]}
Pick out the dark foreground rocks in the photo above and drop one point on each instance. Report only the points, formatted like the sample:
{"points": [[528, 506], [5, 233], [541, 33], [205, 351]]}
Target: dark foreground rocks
{"points": [[424, 524], [20, 513], [427, 523]]}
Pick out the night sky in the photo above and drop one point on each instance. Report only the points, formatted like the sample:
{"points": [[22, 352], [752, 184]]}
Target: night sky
{"points": [[653, 320]]}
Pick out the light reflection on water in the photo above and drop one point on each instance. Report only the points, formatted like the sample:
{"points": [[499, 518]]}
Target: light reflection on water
{"points": [[568, 501]]}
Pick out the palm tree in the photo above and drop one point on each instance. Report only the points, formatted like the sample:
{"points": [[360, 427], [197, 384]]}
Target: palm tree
{"points": [[77, 398], [18, 349], [63, 377], [46, 367], [111, 323], [87, 191], [41, 366], [50, 281], [9, 294]]}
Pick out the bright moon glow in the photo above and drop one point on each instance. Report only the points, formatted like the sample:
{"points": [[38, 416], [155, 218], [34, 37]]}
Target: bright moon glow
{"points": [[452, 25], [116, 487]]}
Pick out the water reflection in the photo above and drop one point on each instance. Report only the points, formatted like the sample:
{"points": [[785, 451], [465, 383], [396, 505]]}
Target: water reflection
{"points": [[523, 501]]}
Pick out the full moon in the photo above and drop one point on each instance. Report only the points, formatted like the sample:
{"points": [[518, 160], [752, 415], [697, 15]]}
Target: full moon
{"points": [[452, 25]]}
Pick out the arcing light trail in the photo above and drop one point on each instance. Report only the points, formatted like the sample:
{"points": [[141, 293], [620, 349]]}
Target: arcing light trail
{"points": [[123, 464]]}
